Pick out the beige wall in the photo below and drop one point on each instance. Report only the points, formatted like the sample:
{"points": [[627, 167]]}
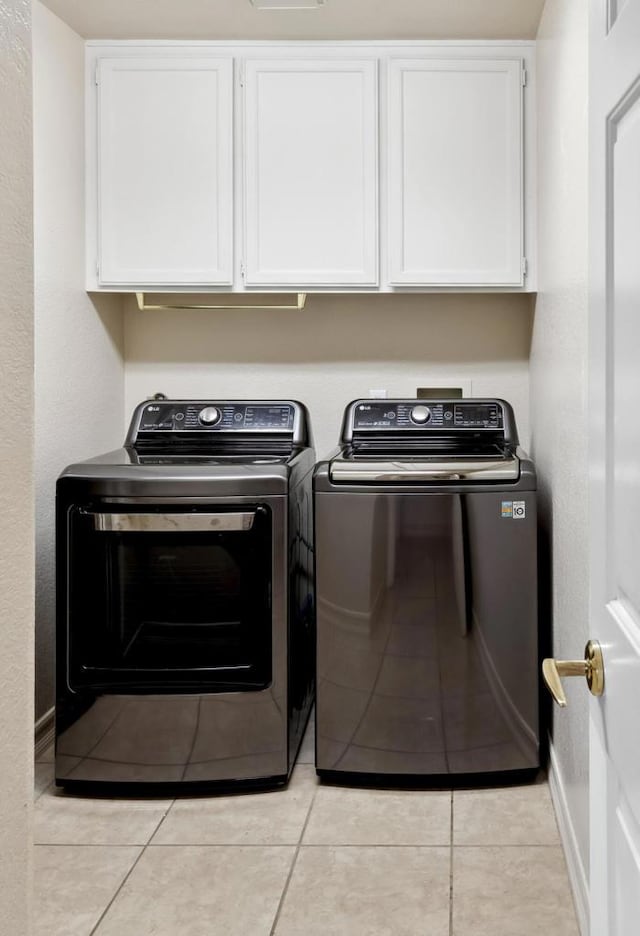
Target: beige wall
{"points": [[79, 374], [16, 464], [337, 19], [335, 350], [559, 372]]}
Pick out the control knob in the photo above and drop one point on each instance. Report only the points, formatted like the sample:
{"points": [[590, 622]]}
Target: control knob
{"points": [[420, 415], [209, 416]]}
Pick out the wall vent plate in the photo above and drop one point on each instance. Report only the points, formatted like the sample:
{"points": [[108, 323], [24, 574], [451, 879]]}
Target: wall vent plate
{"points": [[439, 393]]}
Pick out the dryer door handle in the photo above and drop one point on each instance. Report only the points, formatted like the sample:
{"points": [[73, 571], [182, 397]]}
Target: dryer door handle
{"points": [[172, 522]]}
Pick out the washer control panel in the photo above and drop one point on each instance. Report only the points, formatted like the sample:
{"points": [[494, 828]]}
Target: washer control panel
{"points": [[431, 415], [198, 416]]}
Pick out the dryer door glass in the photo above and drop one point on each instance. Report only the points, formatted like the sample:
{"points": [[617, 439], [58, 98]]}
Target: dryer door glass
{"points": [[163, 596]]}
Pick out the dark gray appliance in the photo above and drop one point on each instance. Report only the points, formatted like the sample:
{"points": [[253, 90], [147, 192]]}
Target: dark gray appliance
{"points": [[185, 617], [426, 589]]}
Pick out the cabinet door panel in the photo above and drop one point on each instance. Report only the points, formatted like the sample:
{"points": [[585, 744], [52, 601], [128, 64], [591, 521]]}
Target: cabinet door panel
{"points": [[311, 173], [165, 193], [455, 173]]}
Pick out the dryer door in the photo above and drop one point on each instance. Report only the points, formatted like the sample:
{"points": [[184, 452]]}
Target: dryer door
{"points": [[168, 597]]}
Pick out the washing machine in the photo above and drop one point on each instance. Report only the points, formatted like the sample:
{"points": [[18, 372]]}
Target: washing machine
{"points": [[426, 589], [185, 618]]}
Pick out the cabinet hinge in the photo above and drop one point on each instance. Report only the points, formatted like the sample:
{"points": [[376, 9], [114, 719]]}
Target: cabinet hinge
{"points": [[524, 77], [525, 266], [97, 74], [242, 270], [98, 269], [241, 76]]}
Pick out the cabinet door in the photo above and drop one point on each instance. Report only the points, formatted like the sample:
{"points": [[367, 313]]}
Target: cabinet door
{"points": [[165, 146], [311, 173], [455, 173]]}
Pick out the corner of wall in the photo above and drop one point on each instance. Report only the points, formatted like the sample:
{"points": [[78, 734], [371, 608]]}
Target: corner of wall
{"points": [[16, 459], [79, 338], [558, 372]]}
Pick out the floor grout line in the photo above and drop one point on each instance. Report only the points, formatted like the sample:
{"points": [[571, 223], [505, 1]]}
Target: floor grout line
{"points": [[300, 845], [89, 845], [509, 845], [129, 872], [285, 889], [451, 870], [386, 845], [118, 889], [157, 828]]}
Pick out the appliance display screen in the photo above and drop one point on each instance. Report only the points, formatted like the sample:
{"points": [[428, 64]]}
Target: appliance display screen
{"points": [[479, 415]]}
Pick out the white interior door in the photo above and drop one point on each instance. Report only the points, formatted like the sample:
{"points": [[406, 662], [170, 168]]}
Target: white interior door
{"points": [[165, 149], [615, 468], [311, 142]]}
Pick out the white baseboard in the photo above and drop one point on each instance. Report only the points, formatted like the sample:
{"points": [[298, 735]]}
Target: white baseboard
{"points": [[44, 732], [575, 867]]}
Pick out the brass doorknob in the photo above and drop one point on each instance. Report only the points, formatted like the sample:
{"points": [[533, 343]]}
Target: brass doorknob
{"points": [[592, 667]]}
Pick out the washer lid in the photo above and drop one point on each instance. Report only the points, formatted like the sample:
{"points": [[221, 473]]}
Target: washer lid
{"points": [[348, 469]]}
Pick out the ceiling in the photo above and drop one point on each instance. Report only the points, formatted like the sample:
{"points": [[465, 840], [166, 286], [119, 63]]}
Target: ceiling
{"points": [[337, 19]]}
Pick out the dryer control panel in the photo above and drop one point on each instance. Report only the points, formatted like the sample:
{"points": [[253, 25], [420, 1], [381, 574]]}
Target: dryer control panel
{"points": [[201, 415], [182, 420]]}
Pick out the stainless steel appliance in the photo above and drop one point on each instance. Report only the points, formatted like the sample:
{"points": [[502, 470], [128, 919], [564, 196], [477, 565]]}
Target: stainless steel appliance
{"points": [[426, 587], [185, 624]]}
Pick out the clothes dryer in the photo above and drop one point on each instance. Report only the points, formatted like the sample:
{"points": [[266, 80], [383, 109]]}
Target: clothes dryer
{"points": [[185, 618]]}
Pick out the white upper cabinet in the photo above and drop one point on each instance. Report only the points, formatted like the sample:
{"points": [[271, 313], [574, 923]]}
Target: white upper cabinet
{"points": [[258, 166], [310, 173], [164, 138], [455, 164]]}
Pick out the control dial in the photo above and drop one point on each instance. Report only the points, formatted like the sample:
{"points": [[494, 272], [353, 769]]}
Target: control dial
{"points": [[209, 416], [420, 415]]}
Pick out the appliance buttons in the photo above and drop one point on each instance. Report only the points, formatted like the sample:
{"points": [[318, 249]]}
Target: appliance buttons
{"points": [[209, 416], [420, 414]]}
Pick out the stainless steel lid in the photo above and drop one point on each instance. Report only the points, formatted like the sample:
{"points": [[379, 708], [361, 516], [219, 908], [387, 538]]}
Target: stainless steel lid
{"points": [[348, 469]]}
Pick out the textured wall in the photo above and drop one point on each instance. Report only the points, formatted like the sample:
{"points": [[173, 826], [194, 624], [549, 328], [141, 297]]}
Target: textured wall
{"points": [[335, 350], [78, 341], [16, 464], [357, 19], [559, 369]]}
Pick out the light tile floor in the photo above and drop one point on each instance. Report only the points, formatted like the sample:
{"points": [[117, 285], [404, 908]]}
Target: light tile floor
{"points": [[311, 860]]}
